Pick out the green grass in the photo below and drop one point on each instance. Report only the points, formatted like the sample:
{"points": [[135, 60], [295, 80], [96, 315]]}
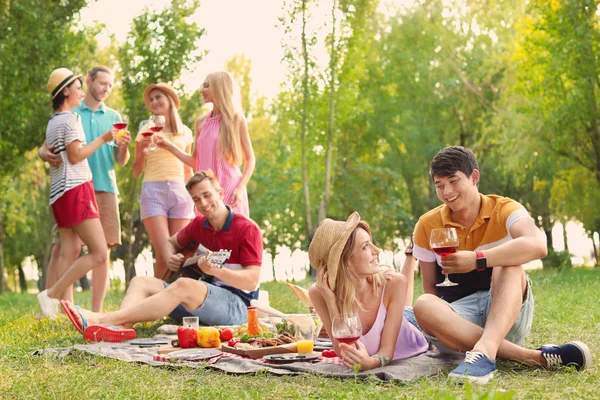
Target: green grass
{"points": [[567, 308]]}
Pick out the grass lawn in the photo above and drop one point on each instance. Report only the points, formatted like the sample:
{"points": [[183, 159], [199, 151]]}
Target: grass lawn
{"points": [[567, 308]]}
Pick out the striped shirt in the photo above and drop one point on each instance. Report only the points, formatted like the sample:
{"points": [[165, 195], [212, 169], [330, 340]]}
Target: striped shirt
{"points": [[64, 128], [490, 229], [209, 157]]}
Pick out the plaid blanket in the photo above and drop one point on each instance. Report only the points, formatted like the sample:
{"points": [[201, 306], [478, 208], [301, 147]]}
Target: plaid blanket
{"points": [[427, 364]]}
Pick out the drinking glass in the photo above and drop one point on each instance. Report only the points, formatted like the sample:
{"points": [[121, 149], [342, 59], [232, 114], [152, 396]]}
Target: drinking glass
{"points": [[159, 125], [444, 241], [346, 328], [305, 337], [191, 322], [146, 130], [121, 125]]}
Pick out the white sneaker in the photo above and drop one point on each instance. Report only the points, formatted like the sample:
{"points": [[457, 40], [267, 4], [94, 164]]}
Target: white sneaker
{"points": [[48, 304]]}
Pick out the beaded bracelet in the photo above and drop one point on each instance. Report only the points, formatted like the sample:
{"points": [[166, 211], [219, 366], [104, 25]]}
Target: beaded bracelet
{"points": [[382, 359]]}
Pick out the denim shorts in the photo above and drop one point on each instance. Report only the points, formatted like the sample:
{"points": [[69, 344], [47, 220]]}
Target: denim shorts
{"points": [[167, 199], [221, 307], [476, 308]]}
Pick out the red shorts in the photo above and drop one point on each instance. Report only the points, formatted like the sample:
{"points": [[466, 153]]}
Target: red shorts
{"points": [[75, 206]]}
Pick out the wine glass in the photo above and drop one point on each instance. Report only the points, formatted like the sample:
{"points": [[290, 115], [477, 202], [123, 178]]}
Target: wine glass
{"points": [[145, 130], [346, 328], [120, 125], [159, 125], [444, 241]]}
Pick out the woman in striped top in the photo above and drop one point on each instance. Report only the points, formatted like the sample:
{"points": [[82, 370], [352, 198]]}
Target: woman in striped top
{"points": [[165, 205], [72, 195], [222, 142]]}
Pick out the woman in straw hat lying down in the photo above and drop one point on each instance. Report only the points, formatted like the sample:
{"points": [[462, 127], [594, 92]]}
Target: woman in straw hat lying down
{"points": [[165, 205], [72, 196], [350, 280]]}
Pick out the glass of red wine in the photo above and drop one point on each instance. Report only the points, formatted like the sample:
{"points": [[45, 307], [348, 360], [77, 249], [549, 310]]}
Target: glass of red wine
{"points": [[121, 126], [159, 124], [346, 328], [146, 131], [444, 241]]}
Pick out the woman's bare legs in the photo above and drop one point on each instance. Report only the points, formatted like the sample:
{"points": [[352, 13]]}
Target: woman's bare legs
{"points": [[68, 251], [99, 284], [91, 233], [158, 230]]}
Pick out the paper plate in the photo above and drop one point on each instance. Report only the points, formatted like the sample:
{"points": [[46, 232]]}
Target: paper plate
{"points": [[195, 354], [292, 357]]}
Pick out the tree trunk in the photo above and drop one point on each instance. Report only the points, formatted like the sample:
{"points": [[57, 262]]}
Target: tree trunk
{"points": [[595, 248], [272, 253], [129, 261], [2, 269], [43, 260], [327, 189], [84, 282], [565, 237], [307, 208], [22, 280], [549, 241]]}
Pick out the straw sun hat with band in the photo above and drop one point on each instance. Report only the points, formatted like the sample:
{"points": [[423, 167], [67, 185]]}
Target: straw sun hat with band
{"points": [[59, 79], [328, 243], [165, 87]]}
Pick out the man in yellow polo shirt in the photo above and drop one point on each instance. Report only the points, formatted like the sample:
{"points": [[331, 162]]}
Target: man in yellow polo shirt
{"points": [[489, 313]]}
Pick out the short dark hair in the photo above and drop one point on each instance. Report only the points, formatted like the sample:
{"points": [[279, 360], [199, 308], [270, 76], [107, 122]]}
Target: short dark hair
{"points": [[451, 159], [201, 176], [60, 97], [100, 68]]}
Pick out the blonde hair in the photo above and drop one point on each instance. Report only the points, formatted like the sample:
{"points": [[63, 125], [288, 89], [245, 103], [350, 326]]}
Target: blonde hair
{"points": [[222, 89], [174, 118], [345, 290]]}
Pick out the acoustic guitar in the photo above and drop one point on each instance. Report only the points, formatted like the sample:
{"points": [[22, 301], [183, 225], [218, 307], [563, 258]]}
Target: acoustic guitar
{"points": [[189, 269]]}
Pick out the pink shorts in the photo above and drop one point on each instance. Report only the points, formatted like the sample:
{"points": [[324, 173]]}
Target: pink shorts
{"points": [[75, 206]]}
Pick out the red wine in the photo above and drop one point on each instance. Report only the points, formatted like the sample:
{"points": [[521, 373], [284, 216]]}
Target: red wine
{"points": [[120, 125], [347, 339], [445, 250], [147, 134], [156, 128]]}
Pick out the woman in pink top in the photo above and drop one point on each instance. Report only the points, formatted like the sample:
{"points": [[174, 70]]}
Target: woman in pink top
{"points": [[351, 280], [222, 142]]}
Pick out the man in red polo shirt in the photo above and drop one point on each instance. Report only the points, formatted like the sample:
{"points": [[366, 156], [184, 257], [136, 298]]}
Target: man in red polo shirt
{"points": [[224, 301], [489, 313]]}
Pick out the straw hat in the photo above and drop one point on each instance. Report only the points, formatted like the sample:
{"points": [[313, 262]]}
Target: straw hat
{"points": [[165, 87], [59, 79], [328, 243]]}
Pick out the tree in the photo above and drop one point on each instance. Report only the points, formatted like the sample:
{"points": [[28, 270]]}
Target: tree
{"points": [[34, 38], [559, 76], [159, 47]]}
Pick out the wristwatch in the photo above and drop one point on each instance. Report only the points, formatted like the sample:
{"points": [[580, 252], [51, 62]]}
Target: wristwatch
{"points": [[481, 263]]}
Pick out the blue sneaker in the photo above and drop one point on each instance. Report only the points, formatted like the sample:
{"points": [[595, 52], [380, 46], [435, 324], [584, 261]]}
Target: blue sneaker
{"points": [[576, 354], [477, 368]]}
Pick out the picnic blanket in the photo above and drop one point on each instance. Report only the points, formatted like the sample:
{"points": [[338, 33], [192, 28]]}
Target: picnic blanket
{"points": [[426, 364]]}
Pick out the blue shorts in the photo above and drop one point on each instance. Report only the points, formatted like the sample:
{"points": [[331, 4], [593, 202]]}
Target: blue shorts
{"points": [[167, 199], [221, 307], [476, 308]]}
